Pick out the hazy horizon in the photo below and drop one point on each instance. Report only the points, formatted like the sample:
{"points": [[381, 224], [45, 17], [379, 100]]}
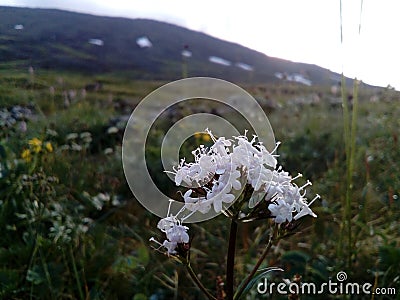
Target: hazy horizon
{"points": [[307, 31]]}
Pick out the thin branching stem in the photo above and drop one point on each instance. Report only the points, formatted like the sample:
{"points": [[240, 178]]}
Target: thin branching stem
{"points": [[347, 137], [353, 134], [78, 282], [346, 134], [198, 282], [272, 239], [47, 274], [341, 22], [230, 264], [350, 132]]}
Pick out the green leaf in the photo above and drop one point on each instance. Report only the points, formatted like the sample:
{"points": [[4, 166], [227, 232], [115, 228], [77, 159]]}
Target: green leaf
{"points": [[127, 263], [140, 297], [8, 281], [259, 274], [143, 255], [389, 256], [35, 277], [295, 256], [296, 261]]}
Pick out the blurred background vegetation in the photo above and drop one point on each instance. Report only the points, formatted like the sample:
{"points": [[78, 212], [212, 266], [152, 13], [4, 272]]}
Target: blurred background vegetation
{"points": [[70, 226]]}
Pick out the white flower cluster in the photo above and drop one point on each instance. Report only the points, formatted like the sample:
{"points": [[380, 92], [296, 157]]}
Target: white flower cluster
{"points": [[220, 173], [175, 232]]}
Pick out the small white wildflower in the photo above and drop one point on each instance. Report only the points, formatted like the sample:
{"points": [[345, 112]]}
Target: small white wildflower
{"points": [[103, 197], [71, 136], [281, 210], [306, 210], [51, 132], [166, 223], [170, 246], [85, 135], [175, 232], [76, 147], [64, 147], [108, 151], [112, 130], [220, 145], [259, 176], [196, 204], [218, 195], [182, 175], [116, 200]]}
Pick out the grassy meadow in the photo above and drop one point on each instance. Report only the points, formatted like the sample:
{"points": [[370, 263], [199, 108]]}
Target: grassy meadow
{"points": [[71, 228]]}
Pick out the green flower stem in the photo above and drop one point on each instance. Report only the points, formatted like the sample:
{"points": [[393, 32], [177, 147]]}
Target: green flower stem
{"points": [[198, 282], [76, 273], [47, 274], [349, 188], [350, 148], [272, 239], [230, 265], [32, 257], [346, 130], [350, 131]]}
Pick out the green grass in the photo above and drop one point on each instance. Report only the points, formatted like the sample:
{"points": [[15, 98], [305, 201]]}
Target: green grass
{"points": [[72, 52]]}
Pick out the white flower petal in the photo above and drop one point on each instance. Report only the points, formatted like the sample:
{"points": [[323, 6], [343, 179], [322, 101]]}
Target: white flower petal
{"points": [[304, 212]]}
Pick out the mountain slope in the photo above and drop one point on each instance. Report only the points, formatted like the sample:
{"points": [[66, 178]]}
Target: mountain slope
{"points": [[65, 40]]}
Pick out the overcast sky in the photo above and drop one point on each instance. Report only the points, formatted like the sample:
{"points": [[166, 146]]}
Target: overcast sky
{"points": [[304, 31]]}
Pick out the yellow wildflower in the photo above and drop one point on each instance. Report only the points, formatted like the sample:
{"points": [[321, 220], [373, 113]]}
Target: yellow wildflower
{"points": [[36, 144], [49, 147], [26, 155], [202, 136], [206, 137]]}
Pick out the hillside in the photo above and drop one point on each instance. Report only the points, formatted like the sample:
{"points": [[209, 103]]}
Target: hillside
{"points": [[146, 49]]}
